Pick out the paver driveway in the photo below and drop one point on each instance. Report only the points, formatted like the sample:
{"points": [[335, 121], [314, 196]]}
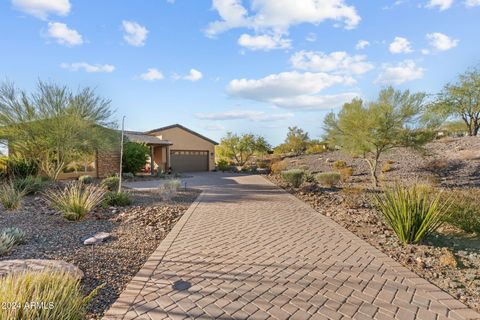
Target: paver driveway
{"points": [[247, 249]]}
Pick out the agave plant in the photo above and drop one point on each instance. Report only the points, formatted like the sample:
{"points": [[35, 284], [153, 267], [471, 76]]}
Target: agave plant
{"points": [[412, 212], [17, 234], [76, 200], [6, 243]]}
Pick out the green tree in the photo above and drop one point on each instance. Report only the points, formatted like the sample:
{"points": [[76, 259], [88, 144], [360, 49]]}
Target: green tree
{"points": [[135, 156], [54, 126], [460, 101], [240, 148], [296, 142], [369, 130]]}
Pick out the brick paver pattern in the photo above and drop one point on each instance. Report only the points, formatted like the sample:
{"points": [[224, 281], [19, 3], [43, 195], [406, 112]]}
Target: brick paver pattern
{"points": [[248, 250]]}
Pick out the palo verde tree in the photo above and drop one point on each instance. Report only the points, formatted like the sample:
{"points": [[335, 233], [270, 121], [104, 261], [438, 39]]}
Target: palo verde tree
{"points": [[460, 101], [296, 142], [54, 126], [240, 148], [370, 129]]}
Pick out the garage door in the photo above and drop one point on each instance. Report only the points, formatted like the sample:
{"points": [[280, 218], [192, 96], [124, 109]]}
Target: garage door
{"points": [[189, 161]]}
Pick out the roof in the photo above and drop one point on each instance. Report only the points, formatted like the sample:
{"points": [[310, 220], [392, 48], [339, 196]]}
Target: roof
{"points": [[140, 137], [183, 128]]}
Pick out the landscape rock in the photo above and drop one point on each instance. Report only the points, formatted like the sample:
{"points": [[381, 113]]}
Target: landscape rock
{"points": [[38, 265], [448, 260]]}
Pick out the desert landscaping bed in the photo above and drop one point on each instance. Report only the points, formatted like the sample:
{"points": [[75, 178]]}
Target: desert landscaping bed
{"points": [[136, 232], [450, 258]]}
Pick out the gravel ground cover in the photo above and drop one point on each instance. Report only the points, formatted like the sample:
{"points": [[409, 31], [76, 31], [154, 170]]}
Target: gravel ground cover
{"points": [[451, 258], [136, 231]]}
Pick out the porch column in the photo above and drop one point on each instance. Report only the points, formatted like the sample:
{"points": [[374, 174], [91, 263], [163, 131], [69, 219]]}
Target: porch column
{"points": [[152, 162], [168, 158]]}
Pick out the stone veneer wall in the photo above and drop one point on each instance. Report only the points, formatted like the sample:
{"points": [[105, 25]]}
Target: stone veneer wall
{"points": [[108, 163]]}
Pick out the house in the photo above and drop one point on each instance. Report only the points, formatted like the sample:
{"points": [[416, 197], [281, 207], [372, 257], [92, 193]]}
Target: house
{"points": [[174, 146]]}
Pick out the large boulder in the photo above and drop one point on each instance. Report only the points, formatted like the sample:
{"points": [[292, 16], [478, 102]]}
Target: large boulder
{"points": [[18, 266]]}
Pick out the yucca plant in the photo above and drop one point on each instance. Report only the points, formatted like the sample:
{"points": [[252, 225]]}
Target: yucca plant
{"points": [[43, 296], [11, 197], [76, 200], [412, 212]]}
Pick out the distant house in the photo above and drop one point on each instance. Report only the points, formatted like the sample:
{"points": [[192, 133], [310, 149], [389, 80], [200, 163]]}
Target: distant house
{"points": [[175, 147]]}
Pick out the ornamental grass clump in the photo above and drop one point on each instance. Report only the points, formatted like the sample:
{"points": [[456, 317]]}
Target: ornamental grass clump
{"points": [[11, 197], [293, 177], [76, 200], [412, 212], [117, 199], [29, 185], [43, 296], [168, 190], [328, 179], [110, 183]]}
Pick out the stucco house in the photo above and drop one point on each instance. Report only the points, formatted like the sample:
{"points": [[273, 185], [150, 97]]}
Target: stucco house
{"points": [[174, 146]]}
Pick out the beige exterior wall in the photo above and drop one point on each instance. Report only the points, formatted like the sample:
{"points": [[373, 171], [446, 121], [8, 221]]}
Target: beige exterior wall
{"points": [[184, 140], [160, 158]]}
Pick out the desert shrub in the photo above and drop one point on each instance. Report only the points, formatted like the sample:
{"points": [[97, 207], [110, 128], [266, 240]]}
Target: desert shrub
{"points": [[308, 176], [86, 179], [29, 185], [387, 166], [135, 156], [353, 197], [110, 183], [76, 200], [465, 210], [278, 166], [59, 290], [328, 179], [11, 197], [315, 149], [18, 167], [412, 212], [119, 199], [222, 165], [7, 241], [169, 189], [17, 234], [345, 173], [437, 165], [339, 164], [293, 177]]}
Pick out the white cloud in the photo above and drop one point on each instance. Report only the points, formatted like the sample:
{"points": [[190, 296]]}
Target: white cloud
{"points": [[472, 3], [107, 68], [63, 34], [152, 74], [291, 89], [338, 62], [251, 115], [194, 75], [441, 41], [42, 8], [441, 4], [425, 51], [362, 44], [397, 74], [263, 42], [278, 16], [400, 45], [134, 33]]}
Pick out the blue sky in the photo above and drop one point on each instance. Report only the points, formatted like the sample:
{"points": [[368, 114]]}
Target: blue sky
{"points": [[230, 65]]}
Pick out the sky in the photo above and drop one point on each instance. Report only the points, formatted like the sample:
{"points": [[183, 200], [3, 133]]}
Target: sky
{"points": [[255, 66]]}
